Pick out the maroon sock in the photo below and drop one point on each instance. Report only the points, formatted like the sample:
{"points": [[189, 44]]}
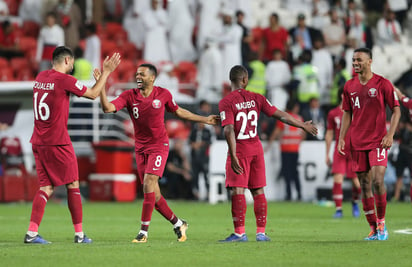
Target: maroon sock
{"points": [[238, 213], [148, 206], [356, 191], [261, 208], [369, 209], [74, 201], [37, 211], [164, 209], [337, 194], [380, 202]]}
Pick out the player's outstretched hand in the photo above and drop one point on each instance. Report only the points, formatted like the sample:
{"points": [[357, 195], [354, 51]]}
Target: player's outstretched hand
{"points": [[236, 166], [110, 64], [213, 119], [387, 141], [96, 74], [341, 146], [310, 128]]}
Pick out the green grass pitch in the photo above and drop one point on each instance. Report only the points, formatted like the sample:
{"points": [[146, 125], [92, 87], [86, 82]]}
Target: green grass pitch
{"points": [[303, 234]]}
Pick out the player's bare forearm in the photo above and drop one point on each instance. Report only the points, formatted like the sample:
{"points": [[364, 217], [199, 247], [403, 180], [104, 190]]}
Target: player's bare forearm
{"points": [[107, 107], [229, 133], [187, 115], [290, 120], [328, 140], [388, 138]]}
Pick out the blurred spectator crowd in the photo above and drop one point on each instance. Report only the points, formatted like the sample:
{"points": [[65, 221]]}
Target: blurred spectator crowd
{"points": [[297, 50]]}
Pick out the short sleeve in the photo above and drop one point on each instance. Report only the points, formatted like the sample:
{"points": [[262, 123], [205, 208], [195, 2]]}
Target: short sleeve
{"points": [[170, 104], [121, 101], [267, 107], [226, 113], [73, 86], [345, 99], [390, 95], [330, 122]]}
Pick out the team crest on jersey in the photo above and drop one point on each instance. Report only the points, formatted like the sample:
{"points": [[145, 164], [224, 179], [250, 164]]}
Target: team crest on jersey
{"points": [[156, 103], [373, 92]]}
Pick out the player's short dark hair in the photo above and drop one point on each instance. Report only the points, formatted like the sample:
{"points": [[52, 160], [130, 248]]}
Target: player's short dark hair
{"points": [[61, 52], [364, 50], [237, 73], [151, 68], [239, 12]]}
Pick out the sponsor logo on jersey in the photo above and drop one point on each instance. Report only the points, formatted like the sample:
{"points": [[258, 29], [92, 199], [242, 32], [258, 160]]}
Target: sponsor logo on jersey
{"points": [[79, 85], [373, 92], [156, 103]]}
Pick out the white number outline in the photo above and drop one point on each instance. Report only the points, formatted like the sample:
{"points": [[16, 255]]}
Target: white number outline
{"points": [[41, 106], [251, 116]]}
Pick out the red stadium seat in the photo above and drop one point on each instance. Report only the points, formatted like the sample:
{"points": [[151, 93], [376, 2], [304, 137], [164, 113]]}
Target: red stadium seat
{"points": [[186, 72], [126, 65], [28, 43], [128, 76], [111, 28], [127, 70], [4, 63], [177, 129], [130, 51], [6, 74], [108, 48], [25, 74], [31, 29], [19, 63]]}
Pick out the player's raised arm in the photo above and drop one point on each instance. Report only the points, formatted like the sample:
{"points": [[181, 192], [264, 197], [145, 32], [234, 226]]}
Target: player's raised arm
{"points": [[284, 117], [187, 115], [109, 65]]}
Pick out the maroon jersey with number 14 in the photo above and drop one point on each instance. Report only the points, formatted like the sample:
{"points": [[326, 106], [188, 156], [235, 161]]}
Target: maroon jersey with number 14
{"points": [[368, 106]]}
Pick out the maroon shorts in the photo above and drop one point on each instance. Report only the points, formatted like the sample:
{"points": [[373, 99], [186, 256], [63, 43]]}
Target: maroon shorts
{"points": [[343, 164], [152, 162], [254, 174], [364, 160], [55, 165]]}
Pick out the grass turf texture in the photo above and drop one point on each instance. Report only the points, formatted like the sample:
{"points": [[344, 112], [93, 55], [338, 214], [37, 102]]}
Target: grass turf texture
{"points": [[303, 234]]}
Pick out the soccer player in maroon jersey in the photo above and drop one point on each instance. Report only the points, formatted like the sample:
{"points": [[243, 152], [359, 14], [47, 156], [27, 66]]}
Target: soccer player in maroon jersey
{"points": [[245, 165], [56, 162], [146, 105], [406, 102], [365, 98], [341, 164]]}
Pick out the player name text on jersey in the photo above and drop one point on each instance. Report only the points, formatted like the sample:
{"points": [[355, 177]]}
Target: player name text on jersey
{"points": [[43, 86], [245, 105]]}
